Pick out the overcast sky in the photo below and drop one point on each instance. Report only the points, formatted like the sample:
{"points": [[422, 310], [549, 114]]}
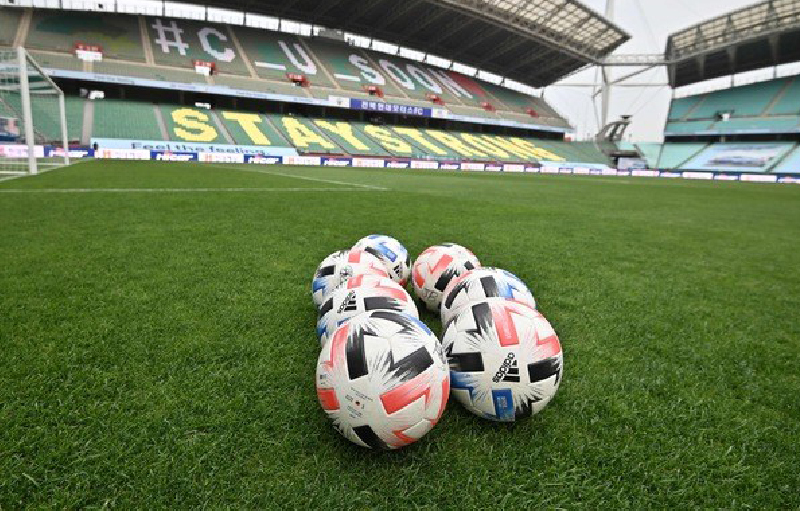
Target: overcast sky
{"points": [[649, 22]]}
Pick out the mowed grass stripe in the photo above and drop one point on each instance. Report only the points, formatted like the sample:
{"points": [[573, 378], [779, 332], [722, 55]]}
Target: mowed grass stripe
{"points": [[183, 190], [131, 174], [158, 350]]}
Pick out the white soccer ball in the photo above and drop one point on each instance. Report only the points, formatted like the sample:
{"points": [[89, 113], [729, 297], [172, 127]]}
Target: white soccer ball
{"points": [[480, 284], [436, 267], [391, 252], [338, 267], [345, 303], [383, 379], [505, 359]]}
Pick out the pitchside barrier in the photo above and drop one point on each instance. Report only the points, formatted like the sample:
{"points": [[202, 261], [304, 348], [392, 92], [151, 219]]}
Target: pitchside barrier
{"points": [[545, 167]]}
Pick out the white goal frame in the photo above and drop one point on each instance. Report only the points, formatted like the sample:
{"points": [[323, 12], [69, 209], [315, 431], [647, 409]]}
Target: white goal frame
{"points": [[24, 66]]}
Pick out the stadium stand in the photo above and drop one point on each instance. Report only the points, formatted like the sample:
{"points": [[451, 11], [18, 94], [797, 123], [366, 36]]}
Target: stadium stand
{"points": [[789, 102], [304, 135], [772, 106], [242, 83], [651, 153], [143, 71], [259, 60], [777, 124], [273, 54], [682, 106], [687, 127], [673, 155], [140, 120], [790, 164], [191, 125], [251, 129], [745, 101], [118, 35], [745, 156], [57, 61], [177, 43], [323, 136], [45, 114]]}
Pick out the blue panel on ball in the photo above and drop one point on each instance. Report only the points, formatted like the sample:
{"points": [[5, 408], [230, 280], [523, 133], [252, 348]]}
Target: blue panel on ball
{"points": [[460, 380], [317, 284], [503, 404], [387, 252]]}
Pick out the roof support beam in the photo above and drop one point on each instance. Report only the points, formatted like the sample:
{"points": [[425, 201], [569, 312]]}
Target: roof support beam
{"points": [[397, 14], [453, 28], [425, 24], [287, 7], [324, 8], [512, 44]]}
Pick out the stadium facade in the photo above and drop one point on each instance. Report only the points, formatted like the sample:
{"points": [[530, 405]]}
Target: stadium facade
{"points": [[448, 95]]}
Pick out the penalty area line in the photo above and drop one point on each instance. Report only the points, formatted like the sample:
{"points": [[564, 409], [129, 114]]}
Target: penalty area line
{"points": [[306, 178], [183, 190]]}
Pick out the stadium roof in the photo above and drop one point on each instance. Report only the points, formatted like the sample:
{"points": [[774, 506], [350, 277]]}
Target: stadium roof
{"points": [[761, 35], [535, 42]]}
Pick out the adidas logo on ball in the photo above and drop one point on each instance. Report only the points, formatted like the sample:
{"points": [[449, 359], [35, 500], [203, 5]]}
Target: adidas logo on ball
{"points": [[349, 303], [509, 371]]}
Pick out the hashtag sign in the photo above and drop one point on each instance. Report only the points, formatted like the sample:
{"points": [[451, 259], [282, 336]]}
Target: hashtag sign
{"points": [[169, 37]]}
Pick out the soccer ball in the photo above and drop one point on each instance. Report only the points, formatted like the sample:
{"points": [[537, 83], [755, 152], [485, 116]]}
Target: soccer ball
{"points": [[391, 252], [338, 267], [505, 359], [436, 267], [383, 379], [480, 284], [345, 303]]}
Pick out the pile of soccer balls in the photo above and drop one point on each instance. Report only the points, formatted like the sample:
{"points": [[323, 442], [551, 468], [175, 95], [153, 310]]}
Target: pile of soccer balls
{"points": [[384, 379]]}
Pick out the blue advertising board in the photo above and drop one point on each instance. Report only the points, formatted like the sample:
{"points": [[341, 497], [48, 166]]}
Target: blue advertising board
{"points": [[390, 108], [172, 156]]}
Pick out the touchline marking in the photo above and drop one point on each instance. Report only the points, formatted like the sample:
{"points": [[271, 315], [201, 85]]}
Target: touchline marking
{"points": [[181, 190], [306, 178]]}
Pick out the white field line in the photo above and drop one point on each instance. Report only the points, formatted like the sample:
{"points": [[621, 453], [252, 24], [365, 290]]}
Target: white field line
{"points": [[306, 178], [182, 190]]}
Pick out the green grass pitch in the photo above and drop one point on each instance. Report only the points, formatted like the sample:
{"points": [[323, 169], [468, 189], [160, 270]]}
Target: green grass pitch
{"points": [[157, 344]]}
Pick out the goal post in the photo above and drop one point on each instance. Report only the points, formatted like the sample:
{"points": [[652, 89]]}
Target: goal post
{"points": [[33, 120]]}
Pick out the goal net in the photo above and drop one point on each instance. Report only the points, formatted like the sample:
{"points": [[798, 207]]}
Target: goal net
{"points": [[33, 125]]}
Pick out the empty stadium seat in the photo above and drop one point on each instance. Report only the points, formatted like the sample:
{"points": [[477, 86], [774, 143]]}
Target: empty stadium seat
{"points": [[338, 59], [188, 124], [274, 54], [118, 35], [790, 164], [251, 129], [781, 124], [686, 127], [304, 135], [140, 120], [650, 151], [745, 101], [673, 155], [44, 109], [150, 72], [178, 42], [682, 106], [740, 156], [789, 101], [270, 86]]}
